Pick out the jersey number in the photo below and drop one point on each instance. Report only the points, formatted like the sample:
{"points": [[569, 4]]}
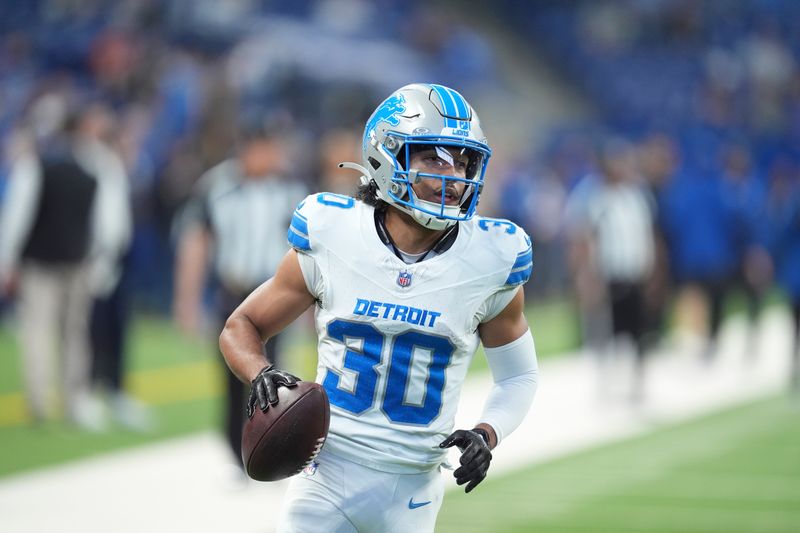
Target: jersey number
{"points": [[335, 200], [365, 361], [485, 223]]}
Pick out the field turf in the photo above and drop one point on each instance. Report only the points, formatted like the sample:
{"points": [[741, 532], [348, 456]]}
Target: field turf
{"points": [[737, 471]]}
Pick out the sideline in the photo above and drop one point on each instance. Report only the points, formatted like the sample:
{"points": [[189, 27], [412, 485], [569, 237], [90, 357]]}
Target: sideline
{"points": [[181, 485]]}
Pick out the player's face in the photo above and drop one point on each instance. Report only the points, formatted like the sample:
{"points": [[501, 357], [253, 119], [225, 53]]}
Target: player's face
{"points": [[444, 161]]}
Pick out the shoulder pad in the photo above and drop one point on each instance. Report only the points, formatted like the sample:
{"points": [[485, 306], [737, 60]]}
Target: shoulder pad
{"points": [[313, 208]]}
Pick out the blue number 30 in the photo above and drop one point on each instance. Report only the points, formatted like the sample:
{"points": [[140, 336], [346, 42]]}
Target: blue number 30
{"points": [[365, 361]]}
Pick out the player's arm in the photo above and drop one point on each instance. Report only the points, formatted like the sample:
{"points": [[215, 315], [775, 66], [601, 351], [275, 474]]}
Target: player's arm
{"points": [[512, 358], [190, 276], [511, 354], [17, 216], [264, 313], [195, 240]]}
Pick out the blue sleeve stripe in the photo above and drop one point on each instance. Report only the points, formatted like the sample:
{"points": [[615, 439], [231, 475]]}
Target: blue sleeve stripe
{"points": [[523, 258], [298, 241], [522, 267], [519, 277], [300, 224]]}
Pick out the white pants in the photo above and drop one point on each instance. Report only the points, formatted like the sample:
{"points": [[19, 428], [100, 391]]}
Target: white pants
{"points": [[340, 496], [54, 305]]}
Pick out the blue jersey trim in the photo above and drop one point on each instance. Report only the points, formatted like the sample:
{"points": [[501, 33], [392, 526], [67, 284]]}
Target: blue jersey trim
{"points": [[523, 258], [298, 232], [521, 276], [522, 269], [300, 223], [297, 241]]}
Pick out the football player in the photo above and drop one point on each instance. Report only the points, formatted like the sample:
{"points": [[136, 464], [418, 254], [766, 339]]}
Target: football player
{"points": [[406, 281]]}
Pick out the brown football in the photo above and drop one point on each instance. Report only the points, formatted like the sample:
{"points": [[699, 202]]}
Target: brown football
{"points": [[281, 441]]}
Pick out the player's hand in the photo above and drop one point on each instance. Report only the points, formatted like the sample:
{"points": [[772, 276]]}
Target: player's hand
{"points": [[264, 388], [475, 457]]}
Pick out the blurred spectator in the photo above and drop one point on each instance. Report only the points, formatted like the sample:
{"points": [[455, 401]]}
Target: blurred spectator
{"points": [[619, 231], [51, 229], [700, 220], [110, 311], [784, 209], [658, 163], [754, 266], [589, 292], [237, 219], [336, 146], [535, 199]]}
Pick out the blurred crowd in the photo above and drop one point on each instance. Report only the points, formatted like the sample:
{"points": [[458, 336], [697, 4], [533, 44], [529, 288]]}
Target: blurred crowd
{"points": [[178, 78], [123, 124], [684, 186], [697, 120]]}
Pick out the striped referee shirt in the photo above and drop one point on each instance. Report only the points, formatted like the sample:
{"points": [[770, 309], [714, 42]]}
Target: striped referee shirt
{"points": [[622, 220], [247, 218]]}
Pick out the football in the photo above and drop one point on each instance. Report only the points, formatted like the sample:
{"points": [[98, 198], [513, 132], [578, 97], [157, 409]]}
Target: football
{"points": [[281, 441]]}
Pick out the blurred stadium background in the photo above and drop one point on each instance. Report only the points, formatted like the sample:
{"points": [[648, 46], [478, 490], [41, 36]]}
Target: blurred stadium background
{"points": [[695, 105]]}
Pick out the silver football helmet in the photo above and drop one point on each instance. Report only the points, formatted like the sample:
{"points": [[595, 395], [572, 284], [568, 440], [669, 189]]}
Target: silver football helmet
{"points": [[420, 117]]}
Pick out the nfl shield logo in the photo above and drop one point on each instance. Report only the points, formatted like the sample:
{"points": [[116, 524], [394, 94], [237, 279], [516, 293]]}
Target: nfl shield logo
{"points": [[404, 279], [311, 469]]}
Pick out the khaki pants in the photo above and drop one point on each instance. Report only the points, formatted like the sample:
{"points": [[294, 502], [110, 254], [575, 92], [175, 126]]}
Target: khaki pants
{"points": [[54, 304]]}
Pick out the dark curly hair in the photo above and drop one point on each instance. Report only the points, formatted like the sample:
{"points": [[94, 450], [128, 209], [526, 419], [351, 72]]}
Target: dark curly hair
{"points": [[368, 193]]}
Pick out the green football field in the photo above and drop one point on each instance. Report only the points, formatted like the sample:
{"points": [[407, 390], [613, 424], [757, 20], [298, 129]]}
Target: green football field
{"points": [[737, 471]]}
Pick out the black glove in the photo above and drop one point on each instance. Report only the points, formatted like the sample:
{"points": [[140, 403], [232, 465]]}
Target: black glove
{"points": [[475, 455], [264, 388]]}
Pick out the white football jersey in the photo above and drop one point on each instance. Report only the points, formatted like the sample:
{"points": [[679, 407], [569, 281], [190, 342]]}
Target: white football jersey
{"points": [[396, 340]]}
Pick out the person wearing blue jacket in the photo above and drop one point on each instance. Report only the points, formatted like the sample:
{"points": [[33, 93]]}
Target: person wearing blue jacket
{"points": [[699, 219]]}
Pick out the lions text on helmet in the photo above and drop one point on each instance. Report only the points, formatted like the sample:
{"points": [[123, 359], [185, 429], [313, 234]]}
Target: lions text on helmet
{"points": [[425, 151]]}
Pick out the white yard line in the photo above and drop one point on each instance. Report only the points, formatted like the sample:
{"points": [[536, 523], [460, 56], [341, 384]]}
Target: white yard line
{"points": [[178, 485]]}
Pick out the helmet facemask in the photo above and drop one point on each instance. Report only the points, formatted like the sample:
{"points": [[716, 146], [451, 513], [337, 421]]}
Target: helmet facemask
{"points": [[456, 192]]}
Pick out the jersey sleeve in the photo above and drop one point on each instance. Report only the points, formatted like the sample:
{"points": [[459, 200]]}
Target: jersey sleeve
{"points": [[298, 235], [299, 238], [521, 269], [315, 219], [511, 250], [495, 304], [312, 275], [313, 230]]}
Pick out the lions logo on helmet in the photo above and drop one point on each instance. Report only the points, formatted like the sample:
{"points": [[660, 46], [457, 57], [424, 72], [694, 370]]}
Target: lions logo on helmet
{"points": [[386, 112], [422, 116]]}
